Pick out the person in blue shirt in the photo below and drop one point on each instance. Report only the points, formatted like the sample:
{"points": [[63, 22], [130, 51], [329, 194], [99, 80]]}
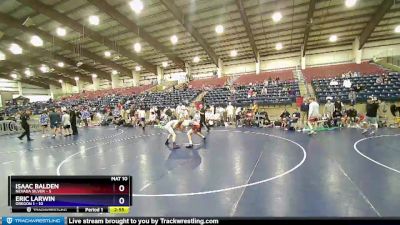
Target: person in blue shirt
{"points": [[85, 116], [44, 122]]}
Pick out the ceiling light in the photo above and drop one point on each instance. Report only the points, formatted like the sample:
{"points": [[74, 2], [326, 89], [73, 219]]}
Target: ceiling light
{"points": [[333, 38], [36, 41], [60, 81], [138, 47], [14, 75], [278, 46], [28, 72], [107, 53], [397, 30], [76, 78], [174, 39], [164, 64], [219, 29], [2, 56], [136, 6], [94, 75], [15, 49], [196, 59], [138, 68], [61, 31], [350, 3], [94, 20], [44, 68], [277, 16], [114, 72], [233, 53], [60, 64]]}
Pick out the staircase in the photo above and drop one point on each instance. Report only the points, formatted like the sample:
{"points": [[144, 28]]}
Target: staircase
{"points": [[163, 87], [198, 98], [305, 89], [386, 64]]}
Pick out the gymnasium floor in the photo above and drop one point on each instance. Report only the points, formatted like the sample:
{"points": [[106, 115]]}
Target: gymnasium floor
{"points": [[236, 172]]}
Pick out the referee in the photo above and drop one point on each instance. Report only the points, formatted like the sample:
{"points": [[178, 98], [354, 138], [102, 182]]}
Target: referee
{"points": [[203, 118], [25, 126]]}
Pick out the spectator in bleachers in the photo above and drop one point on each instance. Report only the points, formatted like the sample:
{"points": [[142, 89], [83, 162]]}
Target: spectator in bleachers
{"points": [[379, 80], [357, 88], [333, 82], [385, 79], [284, 89], [264, 91], [352, 97], [347, 83], [250, 93]]}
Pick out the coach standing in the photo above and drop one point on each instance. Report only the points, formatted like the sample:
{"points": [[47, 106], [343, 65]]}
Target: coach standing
{"points": [[25, 125]]}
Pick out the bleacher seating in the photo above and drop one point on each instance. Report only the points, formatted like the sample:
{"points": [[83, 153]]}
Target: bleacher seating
{"points": [[275, 95], [164, 99], [331, 71], [387, 92], [218, 97], [125, 91], [208, 83], [246, 79]]}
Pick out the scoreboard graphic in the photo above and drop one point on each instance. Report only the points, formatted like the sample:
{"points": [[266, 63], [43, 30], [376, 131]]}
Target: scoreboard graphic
{"points": [[62, 194]]}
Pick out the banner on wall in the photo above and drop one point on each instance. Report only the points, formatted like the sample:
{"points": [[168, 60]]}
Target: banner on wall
{"points": [[180, 77]]}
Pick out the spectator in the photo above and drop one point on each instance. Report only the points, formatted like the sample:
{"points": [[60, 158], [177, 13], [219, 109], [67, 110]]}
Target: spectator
{"points": [[352, 97], [329, 108], [333, 82], [230, 111], [313, 115], [379, 80], [304, 110]]}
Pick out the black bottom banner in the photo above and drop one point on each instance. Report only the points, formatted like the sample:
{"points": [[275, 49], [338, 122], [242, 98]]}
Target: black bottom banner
{"points": [[212, 221]]}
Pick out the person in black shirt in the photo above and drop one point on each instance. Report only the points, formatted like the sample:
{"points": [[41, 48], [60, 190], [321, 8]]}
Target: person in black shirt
{"points": [[338, 105], [25, 125], [336, 118], [304, 111], [73, 115], [203, 118], [285, 116], [371, 115], [351, 116]]}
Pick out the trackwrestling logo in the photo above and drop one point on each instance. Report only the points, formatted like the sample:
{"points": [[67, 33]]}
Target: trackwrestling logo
{"points": [[33, 220]]}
